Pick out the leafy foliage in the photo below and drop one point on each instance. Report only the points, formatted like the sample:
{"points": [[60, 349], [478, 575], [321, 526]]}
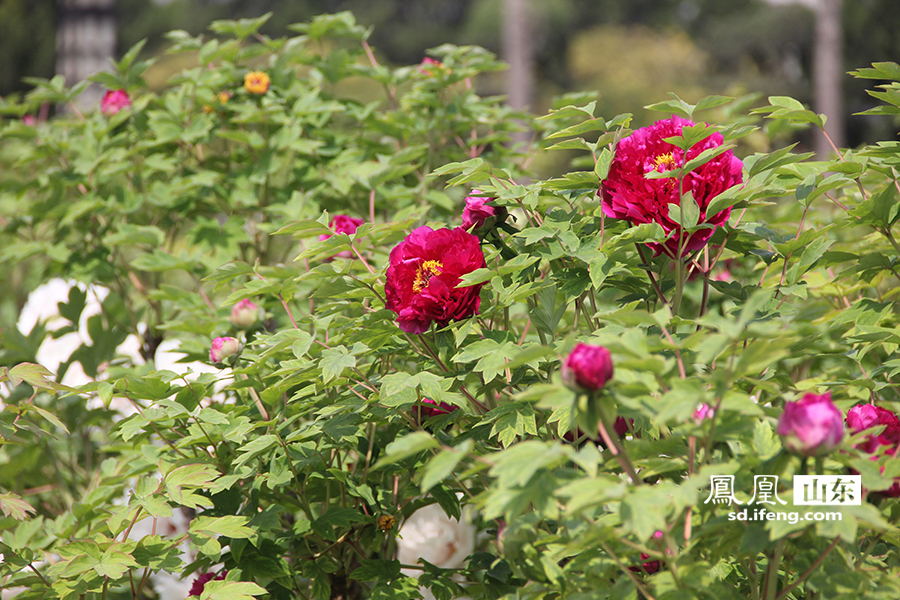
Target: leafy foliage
{"points": [[288, 459]]}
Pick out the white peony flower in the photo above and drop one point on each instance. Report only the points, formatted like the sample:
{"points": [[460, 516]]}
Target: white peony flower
{"points": [[430, 534]]}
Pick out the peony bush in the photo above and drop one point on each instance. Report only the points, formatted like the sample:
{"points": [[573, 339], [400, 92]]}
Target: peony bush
{"points": [[341, 341]]}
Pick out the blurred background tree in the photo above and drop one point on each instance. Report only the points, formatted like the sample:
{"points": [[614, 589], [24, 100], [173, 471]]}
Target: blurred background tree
{"points": [[631, 51]]}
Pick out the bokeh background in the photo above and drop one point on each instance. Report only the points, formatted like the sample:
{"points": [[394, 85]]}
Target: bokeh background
{"points": [[632, 52]]}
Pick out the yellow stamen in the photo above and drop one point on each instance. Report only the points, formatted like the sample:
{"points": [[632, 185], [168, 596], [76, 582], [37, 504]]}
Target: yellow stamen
{"points": [[666, 160], [427, 270]]}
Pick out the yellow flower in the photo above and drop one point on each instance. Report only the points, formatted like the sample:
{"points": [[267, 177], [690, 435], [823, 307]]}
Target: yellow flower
{"points": [[256, 82]]}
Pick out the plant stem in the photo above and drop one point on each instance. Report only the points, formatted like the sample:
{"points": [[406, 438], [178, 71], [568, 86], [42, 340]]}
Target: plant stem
{"points": [[809, 571], [770, 587], [611, 437]]}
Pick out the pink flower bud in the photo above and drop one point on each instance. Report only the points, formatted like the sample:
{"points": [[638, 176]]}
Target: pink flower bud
{"points": [[587, 368], [812, 426], [703, 412], [114, 101], [222, 348], [245, 314], [480, 216]]}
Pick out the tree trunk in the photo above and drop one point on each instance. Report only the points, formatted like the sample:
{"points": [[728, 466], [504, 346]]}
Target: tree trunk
{"points": [[517, 51], [827, 74]]}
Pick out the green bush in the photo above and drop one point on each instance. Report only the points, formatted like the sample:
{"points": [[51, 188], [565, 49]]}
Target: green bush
{"points": [[294, 461]]}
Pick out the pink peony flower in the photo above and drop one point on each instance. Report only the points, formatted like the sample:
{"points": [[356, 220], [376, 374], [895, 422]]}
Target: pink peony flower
{"points": [[29, 120], [587, 368], [245, 314], [113, 101], [200, 582], [342, 224], [628, 194], [424, 272], [480, 216], [812, 426], [867, 416], [222, 348]]}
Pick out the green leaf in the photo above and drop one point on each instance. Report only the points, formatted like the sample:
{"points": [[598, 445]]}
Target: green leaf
{"points": [[49, 416], [195, 475], [231, 526], [336, 518], [33, 374], [408, 445], [442, 464], [231, 590], [376, 570], [13, 506], [334, 361]]}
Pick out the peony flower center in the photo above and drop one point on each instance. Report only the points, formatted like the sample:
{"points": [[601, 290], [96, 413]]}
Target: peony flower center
{"points": [[664, 162], [427, 270]]}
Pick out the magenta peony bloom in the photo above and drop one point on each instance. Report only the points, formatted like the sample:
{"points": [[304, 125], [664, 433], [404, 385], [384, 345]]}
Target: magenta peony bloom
{"points": [[587, 368], [200, 582], [480, 216], [423, 276], [245, 314], [114, 101], [222, 348], [812, 426], [342, 224], [628, 194], [867, 416]]}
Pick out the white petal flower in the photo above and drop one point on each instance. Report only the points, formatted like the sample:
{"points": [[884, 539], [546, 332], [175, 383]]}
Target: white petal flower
{"points": [[441, 540]]}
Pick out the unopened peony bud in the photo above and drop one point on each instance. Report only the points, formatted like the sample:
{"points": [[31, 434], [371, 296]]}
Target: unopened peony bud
{"points": [[480, 216], [587, 368], [113, 101], [222, 348], [812, 426], [245, 314], [703, 412]]}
